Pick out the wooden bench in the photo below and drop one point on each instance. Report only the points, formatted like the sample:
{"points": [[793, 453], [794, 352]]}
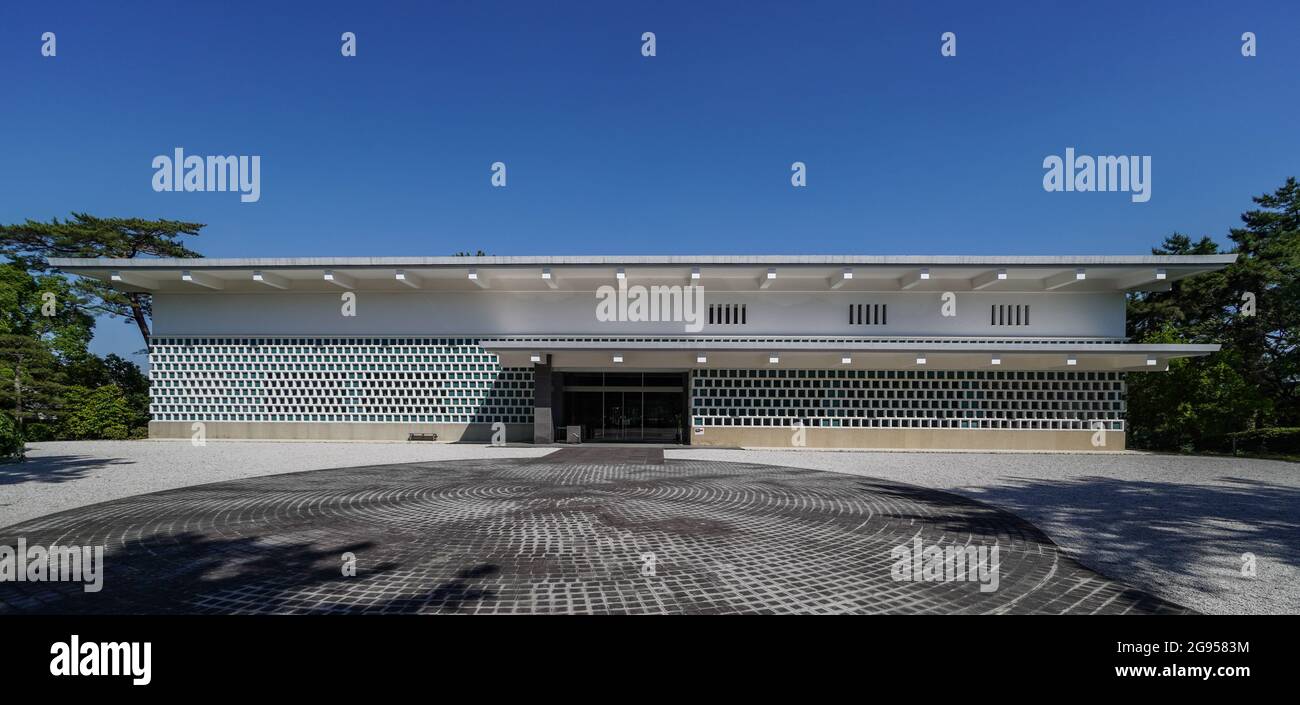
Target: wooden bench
{"points": [[422, 437]]}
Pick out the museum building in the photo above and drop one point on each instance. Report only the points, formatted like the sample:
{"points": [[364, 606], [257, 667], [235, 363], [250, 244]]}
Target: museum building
{"points": [[950, 352]]}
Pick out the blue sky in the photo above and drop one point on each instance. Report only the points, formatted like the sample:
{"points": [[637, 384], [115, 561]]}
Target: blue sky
{"points": [[688, 152]]}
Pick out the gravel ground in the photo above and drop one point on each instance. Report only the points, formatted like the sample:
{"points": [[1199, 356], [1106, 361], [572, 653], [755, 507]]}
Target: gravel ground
{"points": [[1174, 526], [70, 474]]}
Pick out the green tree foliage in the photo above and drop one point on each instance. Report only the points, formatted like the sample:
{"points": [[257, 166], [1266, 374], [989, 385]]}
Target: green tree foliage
{"points": [[30, 380], [102, 412], [49, 382], [26, 299], [31, 244], [92, 372], [1196, 400], [1252, 382], [11, 444], [1268, 266], [44, 332]]}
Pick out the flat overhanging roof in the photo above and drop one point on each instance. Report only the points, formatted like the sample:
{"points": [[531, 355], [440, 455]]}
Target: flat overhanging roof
{"points": [[1078, 346], [777, 352], [586, 273]]}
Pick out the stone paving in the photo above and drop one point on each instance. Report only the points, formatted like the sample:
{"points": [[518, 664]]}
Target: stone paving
{"points": [[599, 534], [608, 455]]}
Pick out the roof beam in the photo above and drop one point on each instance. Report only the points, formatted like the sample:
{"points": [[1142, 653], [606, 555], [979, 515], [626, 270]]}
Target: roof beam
{"points": [[839, 280], [1064, 279], [201, 279], [988, 279], [130, 279], [767, 279], [549, 277], [272, 280], [340, 279], [404, 277], [911, 279], [1157, 277]]}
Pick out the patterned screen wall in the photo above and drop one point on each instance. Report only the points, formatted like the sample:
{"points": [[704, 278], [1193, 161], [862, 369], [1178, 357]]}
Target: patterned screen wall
{"points": [[354, 380], [908, 399]]}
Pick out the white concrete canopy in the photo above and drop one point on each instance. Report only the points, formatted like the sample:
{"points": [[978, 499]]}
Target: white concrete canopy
{"points": [[339, 279], [271, 280], [1084, 354], [202, 279], [717, 273]]}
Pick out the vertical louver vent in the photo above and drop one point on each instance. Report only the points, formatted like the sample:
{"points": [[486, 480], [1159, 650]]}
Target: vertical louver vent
{"points": [[868, 314], [728, 315], [1009, 315]]}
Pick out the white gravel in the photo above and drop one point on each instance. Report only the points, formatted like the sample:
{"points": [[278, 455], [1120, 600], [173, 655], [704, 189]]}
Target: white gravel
{"points": [[69, 474], [1175, 526], [1172, 525]]}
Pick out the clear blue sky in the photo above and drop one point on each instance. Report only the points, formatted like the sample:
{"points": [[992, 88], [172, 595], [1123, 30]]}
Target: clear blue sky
{"points": [[689, 152]]}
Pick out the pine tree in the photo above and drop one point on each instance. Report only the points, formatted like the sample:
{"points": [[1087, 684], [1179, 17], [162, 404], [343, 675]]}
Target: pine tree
{"points": [[31, 244]]}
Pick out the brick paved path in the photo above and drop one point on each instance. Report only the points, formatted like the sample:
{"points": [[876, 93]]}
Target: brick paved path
{"points": [[510, 536], [604, 455]]}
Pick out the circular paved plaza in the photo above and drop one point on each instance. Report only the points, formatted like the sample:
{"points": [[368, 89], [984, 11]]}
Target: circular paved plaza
{"points": [[550, 536]]}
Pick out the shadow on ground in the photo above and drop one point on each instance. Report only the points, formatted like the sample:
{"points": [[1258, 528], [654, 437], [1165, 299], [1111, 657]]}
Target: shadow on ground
{"points": [[950, 513], [1175, 527], [191, 573], [55, 468]]}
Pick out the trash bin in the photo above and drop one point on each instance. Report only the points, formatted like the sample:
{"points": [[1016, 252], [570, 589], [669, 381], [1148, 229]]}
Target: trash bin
{"points": [[573, 434]]}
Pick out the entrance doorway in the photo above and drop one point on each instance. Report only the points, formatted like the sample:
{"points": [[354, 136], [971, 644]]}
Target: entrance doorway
{"points": [[626, 407]]}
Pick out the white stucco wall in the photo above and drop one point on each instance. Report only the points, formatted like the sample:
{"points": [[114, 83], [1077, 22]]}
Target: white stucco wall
{"points": [[559, 312]]}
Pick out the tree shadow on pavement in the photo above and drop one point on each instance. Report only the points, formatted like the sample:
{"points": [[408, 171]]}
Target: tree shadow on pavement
{"points": [[1179, 528], [192, 573], [55, 468]]}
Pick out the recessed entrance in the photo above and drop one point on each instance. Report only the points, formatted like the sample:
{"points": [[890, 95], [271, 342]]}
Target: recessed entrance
{"points": [[626, 407]]}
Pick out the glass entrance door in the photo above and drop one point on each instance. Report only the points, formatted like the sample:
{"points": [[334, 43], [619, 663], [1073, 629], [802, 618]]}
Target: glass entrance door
{"points": [[626, 407], [622, 416]]}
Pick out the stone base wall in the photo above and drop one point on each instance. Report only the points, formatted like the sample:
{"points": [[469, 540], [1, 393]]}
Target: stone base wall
{"points": [[910, 438], [232, 430], [861, 438]]}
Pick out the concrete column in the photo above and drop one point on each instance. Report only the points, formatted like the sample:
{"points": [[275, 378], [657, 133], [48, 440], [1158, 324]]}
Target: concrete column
{"points": [[557, 399], [543, 426]]}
